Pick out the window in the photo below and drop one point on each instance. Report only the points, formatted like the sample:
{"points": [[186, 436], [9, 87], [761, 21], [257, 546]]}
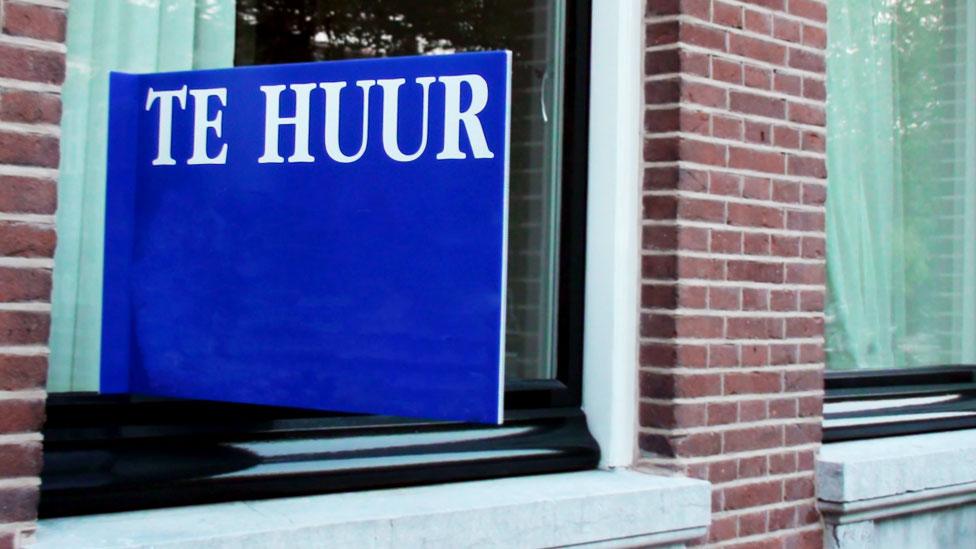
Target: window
{"points": [[118, 453], [901, 211]]}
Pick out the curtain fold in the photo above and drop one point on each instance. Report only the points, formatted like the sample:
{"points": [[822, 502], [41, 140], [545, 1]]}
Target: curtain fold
{"points": [[902, 194], [130, 36]]}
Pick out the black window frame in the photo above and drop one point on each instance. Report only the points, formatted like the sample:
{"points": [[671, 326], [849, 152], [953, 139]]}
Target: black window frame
{"points": [[112, 453]]}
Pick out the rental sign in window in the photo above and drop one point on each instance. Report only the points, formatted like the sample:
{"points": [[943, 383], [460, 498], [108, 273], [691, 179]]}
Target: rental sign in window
{"points": [[323, 235]]}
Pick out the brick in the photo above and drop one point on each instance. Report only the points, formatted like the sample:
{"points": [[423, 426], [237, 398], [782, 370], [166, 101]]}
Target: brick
{"points": [[667, 416], [787, 83], [804, 327], [753, 48], [692, 238], [701, 152], [661, 61], [23, 328], [755, 244], [798, 488], [812, 301], [744, 383], [809, 9], [724, 127], [754, 299], [803, 380], [708, 327], [659, 266], [659, 238], [722, 529], [755, 271], [786, 137], [18, 503], [662, 91], [705, 37], [806, 60], [665, 32], [701, 210], [786, 29], [692, 356], [692, 180], [40, 22], [814, 89], [752, 524], [692, 297], [786, 246], [758, 132], [25, 149], [786, 191], [751, 495], [22, 459], [660, 178], [802, 433], [660, 149], [807, 114], [782, 463], [722, 355], [33, 65], [659, 121], [24, 284], [806, 166], [698, 444], [722, 413], [659, 296], [21, 415], [757, 77], [760, 161], [726, 15], [783, 300], [750, 103], [22, 372], [26, 240], [27, 195], [694, 122], [758, 22], [657, 354], [704, 94], [30, 107], [749, 215], [729, 242], [815, 37], [694, 63], [723, 298], [753, 410], [783, 408], [657, 325], [805, 274], [660, 207], [724, 183], [814, 142]]}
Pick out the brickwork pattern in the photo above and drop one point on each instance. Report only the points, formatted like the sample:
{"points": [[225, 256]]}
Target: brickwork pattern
{"points": [[32, 68], [733, 279]]}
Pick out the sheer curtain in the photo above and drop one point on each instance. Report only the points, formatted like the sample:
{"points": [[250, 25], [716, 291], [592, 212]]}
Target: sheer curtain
{"points": [[131, 36], [901, 210]]}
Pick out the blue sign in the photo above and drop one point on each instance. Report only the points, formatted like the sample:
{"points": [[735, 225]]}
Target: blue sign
{"points": [[319, 235]]}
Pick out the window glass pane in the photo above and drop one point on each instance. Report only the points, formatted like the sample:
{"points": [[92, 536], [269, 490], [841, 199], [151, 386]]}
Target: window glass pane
{"points": [[188, 34], [103, 36], [285, 31], [901, 210]]}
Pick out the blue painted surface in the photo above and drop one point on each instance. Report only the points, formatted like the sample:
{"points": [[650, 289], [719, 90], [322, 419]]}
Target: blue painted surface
{"points": [[375, 286]]}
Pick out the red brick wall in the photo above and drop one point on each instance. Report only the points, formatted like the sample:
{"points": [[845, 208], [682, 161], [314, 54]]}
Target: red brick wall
{"points": [[733, 259], [31, 71]]}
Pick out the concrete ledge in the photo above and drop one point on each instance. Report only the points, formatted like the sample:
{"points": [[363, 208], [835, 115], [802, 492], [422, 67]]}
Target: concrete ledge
{"points": [[871, 479], [603, 508]]}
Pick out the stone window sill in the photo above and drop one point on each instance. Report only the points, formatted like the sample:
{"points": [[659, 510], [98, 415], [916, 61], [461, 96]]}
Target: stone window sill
{"points": [[866, 480], [608, 508]]}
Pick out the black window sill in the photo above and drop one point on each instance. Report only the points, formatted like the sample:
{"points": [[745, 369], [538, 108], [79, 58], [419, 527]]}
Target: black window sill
{"points": [[119, 454], [885, 403]]}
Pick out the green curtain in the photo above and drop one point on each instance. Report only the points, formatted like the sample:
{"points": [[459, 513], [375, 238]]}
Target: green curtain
{"points": [[131, 36], [901, 209]]}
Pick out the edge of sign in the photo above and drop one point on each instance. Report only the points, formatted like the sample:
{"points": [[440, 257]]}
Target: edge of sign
{"points": [[500, 414]]}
